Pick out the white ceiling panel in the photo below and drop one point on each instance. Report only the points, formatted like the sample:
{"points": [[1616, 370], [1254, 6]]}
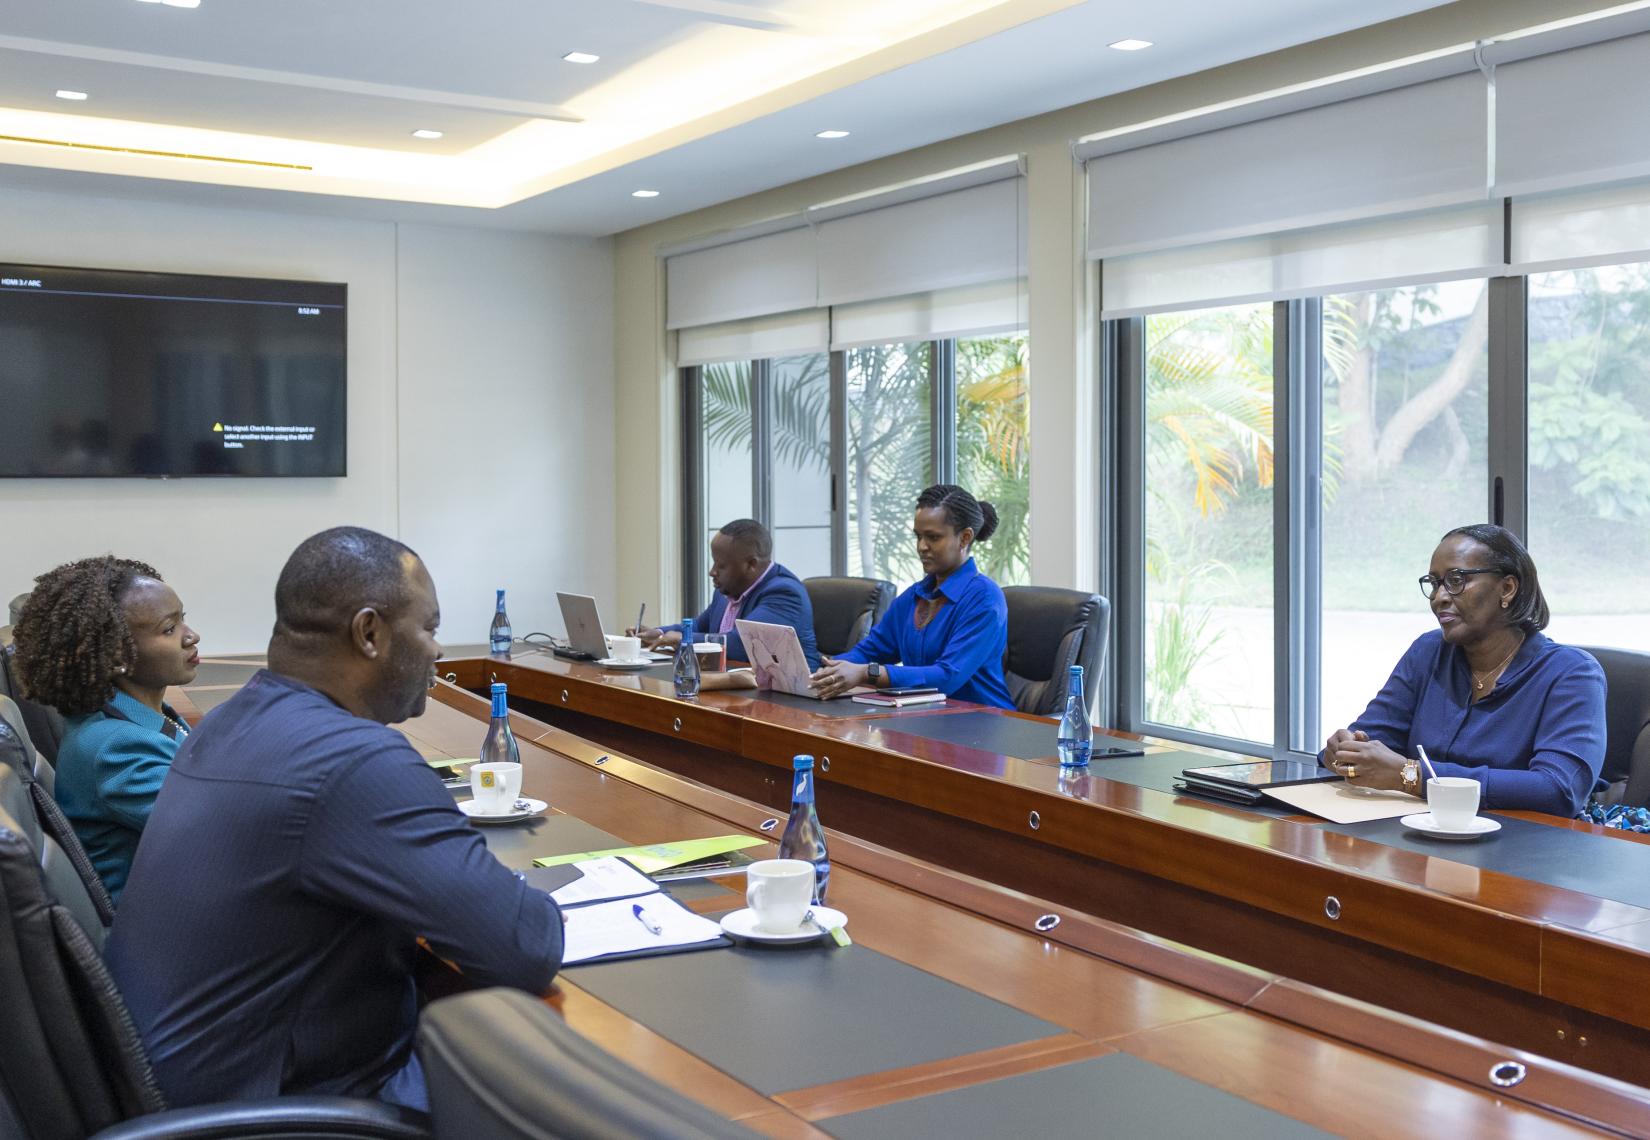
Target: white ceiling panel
{"points": [[30, 80], [703, 100]]}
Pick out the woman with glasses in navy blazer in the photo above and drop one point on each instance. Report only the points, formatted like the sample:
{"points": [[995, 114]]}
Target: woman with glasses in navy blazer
{"points": [[1487, 694], [949, 630]]}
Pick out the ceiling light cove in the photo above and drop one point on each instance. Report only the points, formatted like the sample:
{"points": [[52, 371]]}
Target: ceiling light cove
{"points": [[174, 3], [76, 96], [1130, 45], [644, 193], [580, 57], [427, 134], [831, 135]]}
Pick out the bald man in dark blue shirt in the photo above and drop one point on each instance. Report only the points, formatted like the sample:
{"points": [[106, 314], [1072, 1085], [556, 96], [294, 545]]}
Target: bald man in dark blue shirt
{"points": [[299, 847]]}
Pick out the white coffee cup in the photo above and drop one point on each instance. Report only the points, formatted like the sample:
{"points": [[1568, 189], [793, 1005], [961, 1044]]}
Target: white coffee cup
{"points": [[779, 891], [625, 648], [495, 786], [1454, 801]]}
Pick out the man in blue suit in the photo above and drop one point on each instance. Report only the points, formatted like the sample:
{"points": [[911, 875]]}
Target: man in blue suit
{"points": [[750, 585]]}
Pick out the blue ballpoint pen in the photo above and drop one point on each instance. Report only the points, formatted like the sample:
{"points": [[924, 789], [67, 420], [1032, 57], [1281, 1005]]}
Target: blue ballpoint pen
{"points": [[641, 917]]}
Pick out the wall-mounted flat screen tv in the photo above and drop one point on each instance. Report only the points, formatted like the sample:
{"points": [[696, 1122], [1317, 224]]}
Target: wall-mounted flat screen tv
{"points": [[105, 373]]}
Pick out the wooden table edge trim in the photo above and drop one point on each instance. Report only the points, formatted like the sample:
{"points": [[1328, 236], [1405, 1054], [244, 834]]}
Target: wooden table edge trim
{"points": [[1554, 1086], [944, 1075], [1119, 837], [1308, 1007]]}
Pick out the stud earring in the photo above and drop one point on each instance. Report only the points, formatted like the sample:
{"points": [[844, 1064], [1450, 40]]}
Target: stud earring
{"points": [[1503, 605]]}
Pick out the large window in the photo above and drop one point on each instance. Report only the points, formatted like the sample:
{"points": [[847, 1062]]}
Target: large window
{"points": [[1589, 451], [1208, 521], [1289, 467], [799, 428], [890, 455], [994, 447], [830, 450], [1404, 458], [725, 459]]}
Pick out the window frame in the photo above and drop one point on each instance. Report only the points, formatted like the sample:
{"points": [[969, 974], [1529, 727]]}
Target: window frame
{"points": [[1297, 532]]}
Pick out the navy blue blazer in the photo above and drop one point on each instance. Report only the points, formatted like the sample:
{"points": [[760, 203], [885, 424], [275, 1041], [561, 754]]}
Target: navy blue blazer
{"points": [[778, 599]]}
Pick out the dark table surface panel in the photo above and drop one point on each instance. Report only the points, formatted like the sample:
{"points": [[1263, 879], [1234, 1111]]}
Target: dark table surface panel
{"points": [[1596, 865], [779, 1018], [1118, 1095]]}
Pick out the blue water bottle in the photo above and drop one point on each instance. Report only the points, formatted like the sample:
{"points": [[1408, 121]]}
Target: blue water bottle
{"points": [[500, 745], [1076, 739], [687, 664], [804, 838], [498, 637]]}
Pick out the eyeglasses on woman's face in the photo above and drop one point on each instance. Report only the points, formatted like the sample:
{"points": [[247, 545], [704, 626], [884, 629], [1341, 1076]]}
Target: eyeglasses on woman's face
{"points": [[1453, 581]]}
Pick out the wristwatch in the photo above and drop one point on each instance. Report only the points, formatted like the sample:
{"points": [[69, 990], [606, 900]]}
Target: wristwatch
{"points": [[1412, 777], [873, 672]]}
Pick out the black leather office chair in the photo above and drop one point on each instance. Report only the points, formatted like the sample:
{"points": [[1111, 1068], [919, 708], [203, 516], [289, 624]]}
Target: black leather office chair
{"points": [[1627, 725], [845, 609], [71, 1062], [45, 724], [68, 870], [1050, 630], [502, 1065]]}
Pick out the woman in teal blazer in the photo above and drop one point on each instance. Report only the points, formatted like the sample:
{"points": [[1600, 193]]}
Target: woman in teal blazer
{"points": [[100, 640]]}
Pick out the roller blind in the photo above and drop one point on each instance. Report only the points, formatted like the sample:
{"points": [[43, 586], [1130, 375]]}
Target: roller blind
{"points": [[773, 273], [1573, 118], [973, 310], [756, 338], [1436, 246], [1399, 151], [965, 237], [1592, 227]]}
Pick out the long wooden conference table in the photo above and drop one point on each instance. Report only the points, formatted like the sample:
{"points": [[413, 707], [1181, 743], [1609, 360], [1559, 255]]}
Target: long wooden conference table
{"points": [[980, 1000]]}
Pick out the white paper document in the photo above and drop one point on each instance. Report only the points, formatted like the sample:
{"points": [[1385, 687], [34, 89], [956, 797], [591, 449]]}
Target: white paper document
{"points": [[605, 878], [1340, 802], [613, 928]]}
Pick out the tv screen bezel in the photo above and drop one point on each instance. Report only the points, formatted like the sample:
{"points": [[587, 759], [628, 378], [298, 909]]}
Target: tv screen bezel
{"points": [[343, 286]]}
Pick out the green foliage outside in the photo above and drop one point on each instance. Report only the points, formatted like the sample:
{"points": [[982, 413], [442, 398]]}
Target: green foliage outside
{"points": [[890, 445], [1405, 407]]}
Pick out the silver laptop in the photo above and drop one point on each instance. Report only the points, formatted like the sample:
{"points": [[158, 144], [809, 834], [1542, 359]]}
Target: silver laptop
{"points": [[775, 653], [584, 627]]}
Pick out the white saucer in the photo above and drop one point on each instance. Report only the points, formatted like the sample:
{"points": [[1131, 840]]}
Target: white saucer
{"points": [[742, 924], [469, 808], [1423, 822], [626, 662]]}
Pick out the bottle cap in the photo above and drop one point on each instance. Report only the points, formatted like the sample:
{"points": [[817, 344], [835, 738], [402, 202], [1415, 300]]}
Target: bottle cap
{"points": [[1076, 671], [499, 688], [802, 762], [687, 626]]}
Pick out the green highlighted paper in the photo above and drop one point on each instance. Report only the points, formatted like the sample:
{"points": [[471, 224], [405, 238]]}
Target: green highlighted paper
{"points": [[651, 858]]}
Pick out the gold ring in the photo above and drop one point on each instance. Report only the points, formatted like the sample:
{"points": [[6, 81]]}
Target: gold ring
{"points": [[1350, 771]]}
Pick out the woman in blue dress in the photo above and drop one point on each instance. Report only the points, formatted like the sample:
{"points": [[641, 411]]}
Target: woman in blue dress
{"points": [[1487, 694], [950, 630], [101, 640]]}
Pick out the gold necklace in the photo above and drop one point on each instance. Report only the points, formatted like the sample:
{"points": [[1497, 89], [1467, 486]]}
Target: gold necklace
{"points": [[1479, 680]]}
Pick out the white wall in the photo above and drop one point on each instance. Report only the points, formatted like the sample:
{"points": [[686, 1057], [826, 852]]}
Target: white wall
{"points": [[519, 308], [506, 414]]}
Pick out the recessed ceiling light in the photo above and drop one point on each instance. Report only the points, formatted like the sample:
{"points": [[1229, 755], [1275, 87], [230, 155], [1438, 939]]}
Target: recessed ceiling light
{"points": [[831, 135], [644, 193], [423, 134], [174, 3], [1130, 45], [580, 57], [75, 95]]}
